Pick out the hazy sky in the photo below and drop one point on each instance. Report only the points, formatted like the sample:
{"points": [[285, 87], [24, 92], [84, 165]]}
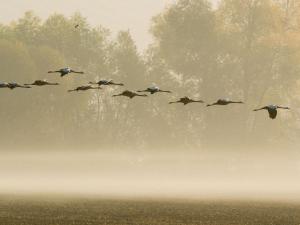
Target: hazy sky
{"points": [[113, 14]]}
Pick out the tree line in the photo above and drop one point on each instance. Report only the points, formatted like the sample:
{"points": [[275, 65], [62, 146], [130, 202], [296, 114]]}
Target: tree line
{"points": [[247, 50]]}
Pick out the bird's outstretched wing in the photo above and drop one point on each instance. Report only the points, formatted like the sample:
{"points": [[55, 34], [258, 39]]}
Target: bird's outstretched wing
{"points": [[259, 109]]}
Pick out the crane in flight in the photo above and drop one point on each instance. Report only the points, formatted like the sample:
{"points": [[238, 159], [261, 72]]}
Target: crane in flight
{"points": [[130, 94], [153, 90], [186, 100], [84, 88], [224, 102], [65, 71], [272, 110]]}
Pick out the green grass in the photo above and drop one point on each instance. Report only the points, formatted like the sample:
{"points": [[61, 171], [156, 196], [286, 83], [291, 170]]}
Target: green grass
{"points": [[25, 211]]}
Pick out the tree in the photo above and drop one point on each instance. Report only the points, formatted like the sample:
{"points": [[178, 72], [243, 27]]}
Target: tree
{"points": [[28, 28]]}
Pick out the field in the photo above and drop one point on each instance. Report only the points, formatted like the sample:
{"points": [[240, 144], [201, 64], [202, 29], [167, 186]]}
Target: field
{"points": [[26, 211]]}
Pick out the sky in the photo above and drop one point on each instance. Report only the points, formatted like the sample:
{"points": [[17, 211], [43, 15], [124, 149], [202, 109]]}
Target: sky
{"points": [[134, 15]]}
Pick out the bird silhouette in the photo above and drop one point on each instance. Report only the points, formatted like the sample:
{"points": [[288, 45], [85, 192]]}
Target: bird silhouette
{"points": [[106, 83], [224, 102], [65, 71], [76, 26], [272, 110], [130, 94], [84, 88], [154, 90], [41, 83], [186, 100], [12, 85]]}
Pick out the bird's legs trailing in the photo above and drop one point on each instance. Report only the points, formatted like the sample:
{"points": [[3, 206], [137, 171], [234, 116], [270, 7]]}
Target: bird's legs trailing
{"points": [[72, 71], [141, 95], [174, 102], [164, 91], [199, 101], [98, 88], [238, 102], [21, 86], [118, 84], [53, 84]]}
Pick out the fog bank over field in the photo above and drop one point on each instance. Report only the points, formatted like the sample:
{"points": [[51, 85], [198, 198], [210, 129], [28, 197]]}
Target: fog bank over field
{"points": [[197, 176]]}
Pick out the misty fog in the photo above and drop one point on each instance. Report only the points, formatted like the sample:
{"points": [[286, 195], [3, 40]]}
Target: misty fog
{"points": [[194, 176]]}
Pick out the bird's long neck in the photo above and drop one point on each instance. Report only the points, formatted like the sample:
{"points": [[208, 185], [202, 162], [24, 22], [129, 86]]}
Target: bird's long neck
{"points": [[211, 104], [119, 84], [237, 102]]}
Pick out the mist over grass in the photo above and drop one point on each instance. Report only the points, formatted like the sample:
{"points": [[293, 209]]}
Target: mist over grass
{"points": [[138, 175]]}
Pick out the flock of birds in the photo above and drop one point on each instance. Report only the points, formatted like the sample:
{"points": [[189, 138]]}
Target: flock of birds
{"points": [[272, 109]]}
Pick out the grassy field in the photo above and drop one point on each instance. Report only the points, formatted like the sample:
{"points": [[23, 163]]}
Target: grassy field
{"points": [[25, 211]]}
